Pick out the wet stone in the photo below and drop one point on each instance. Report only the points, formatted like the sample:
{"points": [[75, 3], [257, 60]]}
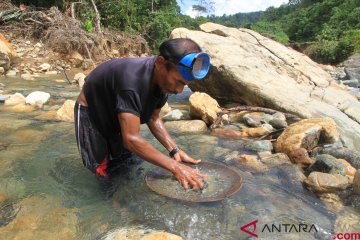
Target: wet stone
{"points": [[266, 118], [356, 184], [261, 146], [253, 119], [326, 183], [7, 214], [301, 157], [278, 123], [327, 164], [274, 159], [352, 156]]}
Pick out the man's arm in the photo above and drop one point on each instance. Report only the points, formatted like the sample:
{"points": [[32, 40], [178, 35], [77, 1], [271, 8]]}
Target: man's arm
{"points": [[158, 129], [134, 142]]}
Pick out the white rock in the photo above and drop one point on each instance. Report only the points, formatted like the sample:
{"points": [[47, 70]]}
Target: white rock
{"points": [[11, 73], [37, 98], [174, 115], [2, 70], [44, 67], [80, 78]]}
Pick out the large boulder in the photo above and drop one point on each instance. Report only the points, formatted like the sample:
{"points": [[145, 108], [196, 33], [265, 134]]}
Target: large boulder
{"points": [[205, 107], [306, 134], [248, 67]]}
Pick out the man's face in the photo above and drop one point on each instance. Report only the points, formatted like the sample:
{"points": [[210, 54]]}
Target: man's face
{"points": [[171, 80], [174, 83]]}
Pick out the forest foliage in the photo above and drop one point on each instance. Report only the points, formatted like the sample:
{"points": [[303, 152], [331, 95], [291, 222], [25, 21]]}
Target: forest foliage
{"points": [[327, 30]]}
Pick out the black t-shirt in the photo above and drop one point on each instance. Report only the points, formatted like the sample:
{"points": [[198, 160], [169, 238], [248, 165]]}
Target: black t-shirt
{"points": [[121, 85]]}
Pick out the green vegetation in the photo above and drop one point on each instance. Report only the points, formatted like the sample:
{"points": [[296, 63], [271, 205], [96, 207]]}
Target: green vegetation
{"points": [[330, 29]]}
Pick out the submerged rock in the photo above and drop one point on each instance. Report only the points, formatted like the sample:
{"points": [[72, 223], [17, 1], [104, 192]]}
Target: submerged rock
{"points": [[140, 234], [325, 182], [352, 156], [327, 164], [186, 126]]}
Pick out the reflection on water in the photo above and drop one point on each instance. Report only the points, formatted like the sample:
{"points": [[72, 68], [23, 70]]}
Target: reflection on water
{"points": [[43, 182]]}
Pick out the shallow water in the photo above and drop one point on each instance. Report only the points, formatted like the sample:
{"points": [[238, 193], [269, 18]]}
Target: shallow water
{"points": [[51, 195]]}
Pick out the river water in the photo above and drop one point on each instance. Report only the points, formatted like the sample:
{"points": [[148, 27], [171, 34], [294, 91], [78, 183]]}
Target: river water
{"points": [[49, 194]]}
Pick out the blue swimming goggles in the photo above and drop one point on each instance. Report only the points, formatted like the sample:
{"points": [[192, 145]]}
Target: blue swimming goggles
{"points": [[194, 66]]}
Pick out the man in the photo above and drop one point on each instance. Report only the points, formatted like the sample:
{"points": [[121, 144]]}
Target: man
{"points": [[123, 93]]}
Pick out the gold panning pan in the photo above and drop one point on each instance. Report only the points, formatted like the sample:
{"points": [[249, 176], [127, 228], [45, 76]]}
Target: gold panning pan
{"points": [[222, 182]]}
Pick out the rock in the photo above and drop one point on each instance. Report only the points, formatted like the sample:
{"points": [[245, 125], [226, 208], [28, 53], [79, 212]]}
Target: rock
{"points": [[21, 108], [306, 134], [204, 107], [175, 115], [276, 159], [251, 68], [41, 217], [352, 109], [253, 119], [37, 98], [44, 67], [327, 164], [252, 164], [27, 76], [2, 70], [186, 126], [164, 110], [266, 118], [351, 83], [225, 119], [3, 98], [48, 116], [236, 116], [279, 115], [76, 58], [80, 78], [352, 67], [66, 112], [140, 234], [11, 73], [356, 183], [350, 170], [326, 183], [231, 156], [261, 146], [15, 99], [278, 123], [51, 73], [226, 133], [301, 157], [353, 157], [256, 132]]}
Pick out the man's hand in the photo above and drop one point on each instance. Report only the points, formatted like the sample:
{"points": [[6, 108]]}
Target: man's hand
{"points": [[181, 156], [187, 175]]}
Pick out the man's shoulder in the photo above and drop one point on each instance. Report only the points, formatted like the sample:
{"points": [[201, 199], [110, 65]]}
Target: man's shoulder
{"points": [[138, 61]]}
